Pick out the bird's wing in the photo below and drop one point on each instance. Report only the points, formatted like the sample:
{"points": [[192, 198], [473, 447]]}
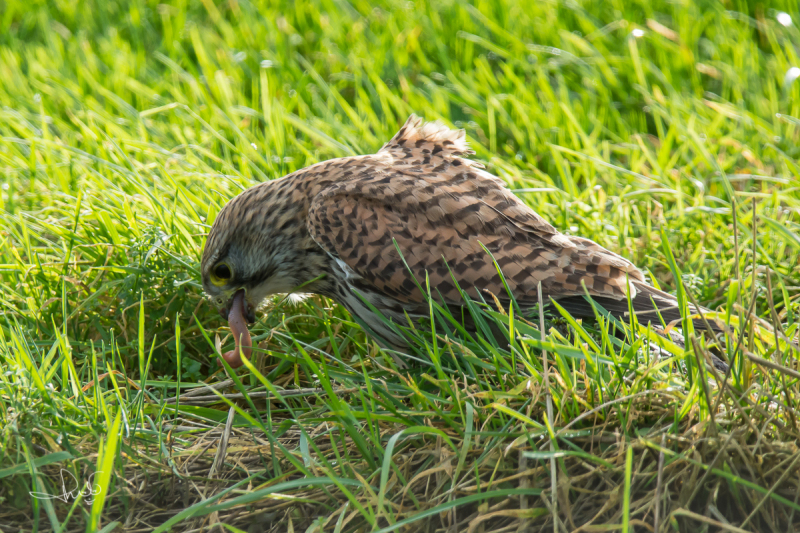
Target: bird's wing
{"points": [[432, 153], [440, 208]]}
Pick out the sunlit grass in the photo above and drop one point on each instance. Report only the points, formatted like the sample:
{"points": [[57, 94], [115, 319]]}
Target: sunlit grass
{"points": [[666, 132]]}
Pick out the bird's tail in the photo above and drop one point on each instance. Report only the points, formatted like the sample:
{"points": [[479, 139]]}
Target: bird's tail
{"points": [[651, 302], [649, 305]]}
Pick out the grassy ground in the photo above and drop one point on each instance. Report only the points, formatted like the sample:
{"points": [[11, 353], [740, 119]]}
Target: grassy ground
{"points": [[665, 131]]}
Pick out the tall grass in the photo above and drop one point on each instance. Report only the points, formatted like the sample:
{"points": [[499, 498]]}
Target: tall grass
{"points": [[665, 131]]}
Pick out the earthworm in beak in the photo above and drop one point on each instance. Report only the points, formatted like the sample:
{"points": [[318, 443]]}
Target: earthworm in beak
{"points": [[238, 323]]}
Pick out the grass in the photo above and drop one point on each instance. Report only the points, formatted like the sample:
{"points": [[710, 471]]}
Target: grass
{"points": [[665, 131]]}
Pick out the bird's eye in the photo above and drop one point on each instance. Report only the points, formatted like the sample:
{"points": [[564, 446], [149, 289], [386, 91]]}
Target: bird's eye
{"points": [[221, 274], [222, 271]]}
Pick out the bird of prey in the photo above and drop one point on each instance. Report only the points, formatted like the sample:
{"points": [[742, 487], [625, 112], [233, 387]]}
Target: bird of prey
{"points": [[370, 228]]}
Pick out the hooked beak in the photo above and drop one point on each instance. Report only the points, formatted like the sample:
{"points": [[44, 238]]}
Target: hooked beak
{"points": [[249, 313]]}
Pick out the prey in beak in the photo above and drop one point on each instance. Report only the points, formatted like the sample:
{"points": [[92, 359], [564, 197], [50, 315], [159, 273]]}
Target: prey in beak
{"points": [[239, 313], [248, 311]]}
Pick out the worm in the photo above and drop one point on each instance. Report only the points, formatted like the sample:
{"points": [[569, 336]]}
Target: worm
{"points": [[238, 325]]}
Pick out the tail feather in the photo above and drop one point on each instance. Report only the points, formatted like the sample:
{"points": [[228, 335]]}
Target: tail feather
{"points": [[648, 304]]}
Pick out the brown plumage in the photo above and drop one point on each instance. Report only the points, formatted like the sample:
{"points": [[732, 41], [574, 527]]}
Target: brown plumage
{"points": [[341, 219]]}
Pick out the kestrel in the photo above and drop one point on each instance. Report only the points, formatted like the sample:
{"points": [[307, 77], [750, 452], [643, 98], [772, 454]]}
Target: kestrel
{"points": [[338, 228]]}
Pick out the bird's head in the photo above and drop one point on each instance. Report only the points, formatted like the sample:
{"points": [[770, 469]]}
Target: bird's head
{"points": [[255, 245]]}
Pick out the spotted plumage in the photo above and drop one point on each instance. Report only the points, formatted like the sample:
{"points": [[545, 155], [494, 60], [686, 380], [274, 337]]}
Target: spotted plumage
{"points": [[358, 228]]}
